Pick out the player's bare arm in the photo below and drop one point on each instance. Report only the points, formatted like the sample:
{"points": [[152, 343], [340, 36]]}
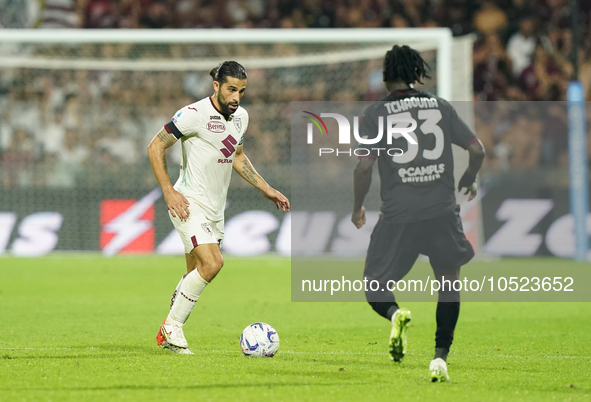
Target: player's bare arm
{"points": [[468, 180], [361, 184], [244, 168], [175, 201]]}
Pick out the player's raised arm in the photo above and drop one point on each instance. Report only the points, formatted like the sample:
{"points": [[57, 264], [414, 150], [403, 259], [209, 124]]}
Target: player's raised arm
{"points": [[244, 168], [176, 202], [361, 184], [468, 180]]}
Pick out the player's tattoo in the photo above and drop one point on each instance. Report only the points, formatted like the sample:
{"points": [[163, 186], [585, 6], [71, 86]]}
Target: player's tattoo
{"points": [[164, 162], [249, 174], [167, 138]]}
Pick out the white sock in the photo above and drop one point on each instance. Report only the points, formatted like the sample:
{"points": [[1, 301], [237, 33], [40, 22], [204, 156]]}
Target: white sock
{"points": [[189, 292], [176, 291]]}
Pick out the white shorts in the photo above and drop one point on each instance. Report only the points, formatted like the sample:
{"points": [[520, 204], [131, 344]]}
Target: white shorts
{"points": [[197, 229]]}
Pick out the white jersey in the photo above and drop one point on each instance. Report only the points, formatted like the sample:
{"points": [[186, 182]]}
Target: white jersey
{"points": [[209, 142]]}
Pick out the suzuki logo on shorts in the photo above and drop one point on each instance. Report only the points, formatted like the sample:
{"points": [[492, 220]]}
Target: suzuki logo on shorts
{"points": [[216, 127]]}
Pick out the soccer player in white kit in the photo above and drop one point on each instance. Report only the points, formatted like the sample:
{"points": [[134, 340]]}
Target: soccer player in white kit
{"points": [[211, 132]]}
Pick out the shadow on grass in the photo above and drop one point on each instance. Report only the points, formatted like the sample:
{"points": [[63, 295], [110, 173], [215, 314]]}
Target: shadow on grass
{"points": [[100, 352], [187, 387]]}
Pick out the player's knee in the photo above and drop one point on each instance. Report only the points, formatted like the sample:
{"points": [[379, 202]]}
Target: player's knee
{"points": [[449, 275], [213, 265], [449, 297], [217, 262]]}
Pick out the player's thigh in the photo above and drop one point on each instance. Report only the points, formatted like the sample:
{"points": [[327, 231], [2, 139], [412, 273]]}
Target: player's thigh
{"points": [[191, 262], [209, 260], [195, 230], [447, 248], [208, 253], [393, 249]]}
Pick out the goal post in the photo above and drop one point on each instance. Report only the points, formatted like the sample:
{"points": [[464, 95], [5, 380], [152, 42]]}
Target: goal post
{"points": [[109, 91], [438, 38]]}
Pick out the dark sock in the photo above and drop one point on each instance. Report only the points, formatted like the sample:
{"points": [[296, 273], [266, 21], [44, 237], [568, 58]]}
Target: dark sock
{"points": [[383, 302], [391, 311], [441, 353], [447, 317], [385, 309]]}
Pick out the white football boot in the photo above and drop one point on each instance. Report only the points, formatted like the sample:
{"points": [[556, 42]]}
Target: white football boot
{"points": [[171, 337], [438, 370]]}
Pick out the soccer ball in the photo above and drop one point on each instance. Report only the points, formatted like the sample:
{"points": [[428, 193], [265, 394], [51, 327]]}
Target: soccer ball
{"points": [[259, 340]]}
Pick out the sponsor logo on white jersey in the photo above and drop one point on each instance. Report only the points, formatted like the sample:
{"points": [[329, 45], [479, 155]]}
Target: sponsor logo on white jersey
{"points": [[216, 126]]}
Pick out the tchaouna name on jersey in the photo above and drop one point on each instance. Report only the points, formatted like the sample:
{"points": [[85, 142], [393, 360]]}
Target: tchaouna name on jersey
{"points": [[413, 102]]}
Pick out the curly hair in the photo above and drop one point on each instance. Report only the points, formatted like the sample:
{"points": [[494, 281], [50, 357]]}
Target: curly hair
{"points": [[404, 64]]}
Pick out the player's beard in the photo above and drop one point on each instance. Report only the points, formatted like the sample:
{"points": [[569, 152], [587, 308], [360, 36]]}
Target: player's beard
{"points": [[225, 106]]}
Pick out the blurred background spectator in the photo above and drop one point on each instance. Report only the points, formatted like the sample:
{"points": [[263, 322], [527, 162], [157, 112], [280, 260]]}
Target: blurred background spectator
{"points": [[521, 45], [92, 126]]}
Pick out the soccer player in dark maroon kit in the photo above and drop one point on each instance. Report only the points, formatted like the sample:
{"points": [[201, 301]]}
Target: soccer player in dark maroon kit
{"points": [[419, 214]]}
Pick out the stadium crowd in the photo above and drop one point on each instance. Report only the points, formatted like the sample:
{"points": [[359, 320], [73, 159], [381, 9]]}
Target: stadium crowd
{"points": [[64, 128]]}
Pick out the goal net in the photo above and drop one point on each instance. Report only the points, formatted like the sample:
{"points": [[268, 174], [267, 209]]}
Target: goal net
{"points": [[79, 107]]}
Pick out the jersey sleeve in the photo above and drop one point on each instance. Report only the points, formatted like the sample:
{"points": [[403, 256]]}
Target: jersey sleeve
{"points": [[368, 129], [461, 134], [183, 123]]}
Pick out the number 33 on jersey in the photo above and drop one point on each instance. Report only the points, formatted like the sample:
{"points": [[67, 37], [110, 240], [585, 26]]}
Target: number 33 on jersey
{"points": [[430, 157], [421, 178]]}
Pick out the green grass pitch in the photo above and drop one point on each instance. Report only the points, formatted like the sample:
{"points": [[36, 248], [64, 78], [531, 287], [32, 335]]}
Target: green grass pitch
{"points": [[83, 328]]}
